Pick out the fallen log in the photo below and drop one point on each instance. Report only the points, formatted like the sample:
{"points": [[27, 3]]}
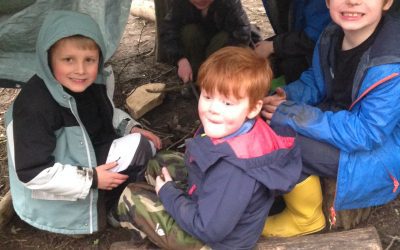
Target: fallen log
{"points": [[356, 239], [6, 209], [144, 9]]}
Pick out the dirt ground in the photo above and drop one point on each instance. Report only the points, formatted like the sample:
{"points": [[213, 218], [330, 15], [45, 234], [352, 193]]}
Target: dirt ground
{"points": [[174, 120]]}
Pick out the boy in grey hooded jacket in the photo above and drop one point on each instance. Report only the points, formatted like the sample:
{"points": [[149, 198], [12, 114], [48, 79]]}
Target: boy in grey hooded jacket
{"points": [[60, 129]]}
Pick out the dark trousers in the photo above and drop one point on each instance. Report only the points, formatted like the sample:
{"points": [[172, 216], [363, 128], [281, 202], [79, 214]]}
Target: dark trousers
{"points": [[290, 67], [198, 44], [318, 158]]}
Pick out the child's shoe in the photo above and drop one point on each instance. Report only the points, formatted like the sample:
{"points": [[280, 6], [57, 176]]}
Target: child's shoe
{"points": [[303, 213]]}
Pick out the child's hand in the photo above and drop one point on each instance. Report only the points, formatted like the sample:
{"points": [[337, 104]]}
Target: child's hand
{"points": [[271, 103], [185, 71], [108, 180], [162, 179], [264, 49], [149, 135]]}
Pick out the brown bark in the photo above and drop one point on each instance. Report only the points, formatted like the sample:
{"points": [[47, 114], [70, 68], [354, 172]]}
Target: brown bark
{"points": [[356, 239]]}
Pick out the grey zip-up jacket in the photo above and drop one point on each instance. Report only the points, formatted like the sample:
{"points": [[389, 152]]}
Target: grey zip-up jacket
{"points": [[50, 155]]}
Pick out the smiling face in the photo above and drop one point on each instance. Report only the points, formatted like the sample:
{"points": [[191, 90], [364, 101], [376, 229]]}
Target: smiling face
{"points": [[201, 4], [74, 66], [233, 82], [358, 16], [223, 115]]}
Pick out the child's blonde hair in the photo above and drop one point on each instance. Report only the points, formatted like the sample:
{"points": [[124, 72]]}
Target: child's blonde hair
{"points": [[80, 41], [236, 71]]}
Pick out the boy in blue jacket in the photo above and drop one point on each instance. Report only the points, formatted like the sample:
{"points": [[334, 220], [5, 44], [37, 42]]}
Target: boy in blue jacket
{"points": [[346, 109], [236, 165]]}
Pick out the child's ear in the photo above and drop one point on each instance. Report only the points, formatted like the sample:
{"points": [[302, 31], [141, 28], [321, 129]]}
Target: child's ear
{"points": [[255, 110], [387, 5], [327, 3]]}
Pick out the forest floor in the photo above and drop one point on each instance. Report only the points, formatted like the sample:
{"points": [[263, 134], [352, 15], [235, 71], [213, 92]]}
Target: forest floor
{"points": [[174, 120]]}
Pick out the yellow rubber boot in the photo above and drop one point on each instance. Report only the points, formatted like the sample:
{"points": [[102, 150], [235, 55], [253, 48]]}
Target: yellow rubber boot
{"points": [[303, 213]]}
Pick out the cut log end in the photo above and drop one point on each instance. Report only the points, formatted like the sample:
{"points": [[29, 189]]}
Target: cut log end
{"points": [[142, 101]]}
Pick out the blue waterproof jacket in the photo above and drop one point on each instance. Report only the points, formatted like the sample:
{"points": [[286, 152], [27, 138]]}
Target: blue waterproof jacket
{"points": [[368, 134], [232, 185]]}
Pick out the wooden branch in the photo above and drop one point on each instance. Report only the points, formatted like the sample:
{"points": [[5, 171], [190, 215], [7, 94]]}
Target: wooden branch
{"points": [[175, 87], [356, 239], [6, 209]]}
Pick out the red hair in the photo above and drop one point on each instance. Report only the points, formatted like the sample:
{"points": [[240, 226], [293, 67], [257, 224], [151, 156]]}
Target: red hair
{"points": [[236, 71]]}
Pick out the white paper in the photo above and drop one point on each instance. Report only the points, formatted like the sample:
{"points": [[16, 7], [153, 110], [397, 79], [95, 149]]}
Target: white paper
{"points": [[122, 150]]}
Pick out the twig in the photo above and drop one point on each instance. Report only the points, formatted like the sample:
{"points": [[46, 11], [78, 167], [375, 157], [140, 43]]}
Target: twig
{"points": [[182, 139], [137, 53], [394, 238], [140, 36], [150, 52], [144, 53], [133, 78], [156, 132], [123, 68], [163, 74], [142, 120], [172, 88]]}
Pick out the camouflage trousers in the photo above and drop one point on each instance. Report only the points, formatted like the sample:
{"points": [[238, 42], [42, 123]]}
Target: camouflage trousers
{"points": [[140, 209]]}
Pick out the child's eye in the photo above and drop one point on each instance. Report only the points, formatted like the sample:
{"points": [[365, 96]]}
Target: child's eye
{"points": [[67, 59], [91, 60], [228, 103]]}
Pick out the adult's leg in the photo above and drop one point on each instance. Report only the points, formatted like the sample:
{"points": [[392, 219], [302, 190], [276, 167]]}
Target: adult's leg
{"points": [[194, 41], [217, 41]]}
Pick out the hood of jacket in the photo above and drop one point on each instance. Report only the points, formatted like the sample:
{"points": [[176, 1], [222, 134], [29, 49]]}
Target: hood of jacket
{"points": [[272, 157], [58, 25]]}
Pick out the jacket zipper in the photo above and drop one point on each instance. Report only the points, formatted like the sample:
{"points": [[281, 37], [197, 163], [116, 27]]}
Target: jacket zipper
{"points": [[387, 78], [89, 165], [332, 211]]}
